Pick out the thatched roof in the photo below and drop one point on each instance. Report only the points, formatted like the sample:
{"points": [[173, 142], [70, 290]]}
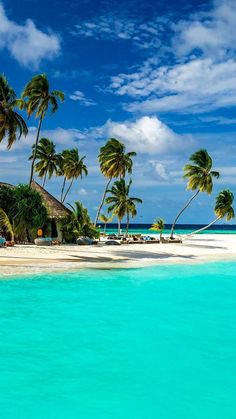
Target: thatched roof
{"points": [[8, 185], [55, 208]]}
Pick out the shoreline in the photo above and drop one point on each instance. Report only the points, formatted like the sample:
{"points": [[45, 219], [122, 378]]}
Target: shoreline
{"points": [[30, 259]]}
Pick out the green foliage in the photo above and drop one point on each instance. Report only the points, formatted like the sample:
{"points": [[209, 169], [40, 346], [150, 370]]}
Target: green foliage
{"points": [[46, 157], [78, 224], [158, 225], [199, 175], [24, 208], [12, 125], [6, 223], [114, 162], [223, 206]]}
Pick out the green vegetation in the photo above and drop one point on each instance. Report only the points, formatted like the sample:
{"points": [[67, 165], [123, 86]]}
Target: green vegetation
{"points": [[120, 203], [158, 225], [223, 208], [78, 224], [12, 125], [114, 163], [105, 219], [47, 159], [200, 178], [39, 100]]}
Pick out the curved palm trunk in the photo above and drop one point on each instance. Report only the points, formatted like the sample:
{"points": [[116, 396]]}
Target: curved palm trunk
{"points": [[204, 228], [35, 149], [68, 190], [127, 224], [102, 202], [181, 212], [45, 176], [105, 226], [63, 187]]}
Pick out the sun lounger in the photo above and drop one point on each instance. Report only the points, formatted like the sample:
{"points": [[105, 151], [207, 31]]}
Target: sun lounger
{"points": [[2, 241], [43, 241]]}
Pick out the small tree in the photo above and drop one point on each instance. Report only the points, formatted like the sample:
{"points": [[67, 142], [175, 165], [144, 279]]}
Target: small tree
{"points": [[105, 219], [158, 225]]}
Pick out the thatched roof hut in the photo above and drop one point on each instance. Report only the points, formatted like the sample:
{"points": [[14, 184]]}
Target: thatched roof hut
{"points": [[55, 208], [8, 185]]}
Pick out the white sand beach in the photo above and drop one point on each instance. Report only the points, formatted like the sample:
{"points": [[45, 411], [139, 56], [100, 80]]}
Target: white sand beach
{"points": [[23, 259]]}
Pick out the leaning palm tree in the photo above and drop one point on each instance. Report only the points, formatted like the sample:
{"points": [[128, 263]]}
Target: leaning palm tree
{"points": [[62, 157], [121, 203], [12, 125], [200, 178], [73, 167], [158, 225], [223, 209], [47, 159], [6, 223], [105, 219], [114, 163], [39, 99]]}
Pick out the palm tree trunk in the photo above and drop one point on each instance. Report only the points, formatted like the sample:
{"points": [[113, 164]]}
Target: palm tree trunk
{"points": [[105, 226], [181, 212], [204, 228], [127, 224], [68, 190], [63, 187], [119, 222], [102, 202], [160, 236], [45, 176], [35, 149]]}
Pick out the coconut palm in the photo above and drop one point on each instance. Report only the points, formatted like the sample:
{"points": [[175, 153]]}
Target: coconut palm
{"points": [[114, 163], [158, 225], [12, 125], [6, 223], [47, 159], [223, 208], [39, 99], [121, 203], [105, 219], [200, 178], [73, 167]]}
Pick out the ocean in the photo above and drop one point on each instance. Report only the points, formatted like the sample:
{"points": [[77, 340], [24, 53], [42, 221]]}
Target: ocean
{"points": [[156, 342], [179, 229]]}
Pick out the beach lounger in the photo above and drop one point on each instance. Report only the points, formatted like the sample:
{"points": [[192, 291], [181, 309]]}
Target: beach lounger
{"points": [[2, 241], [43, 241]]}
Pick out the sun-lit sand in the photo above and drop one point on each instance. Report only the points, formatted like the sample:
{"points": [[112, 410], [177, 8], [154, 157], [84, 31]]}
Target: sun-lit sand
{"points": [[23, 259]]}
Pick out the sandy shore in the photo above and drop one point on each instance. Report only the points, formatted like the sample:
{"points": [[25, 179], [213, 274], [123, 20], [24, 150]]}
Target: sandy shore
{"points": [[24, 259]]}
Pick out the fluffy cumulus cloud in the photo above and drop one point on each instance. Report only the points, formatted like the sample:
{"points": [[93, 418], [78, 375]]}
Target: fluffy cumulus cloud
{"points": [[26, 43], [80, 97], [202, 73], [146, 135]]}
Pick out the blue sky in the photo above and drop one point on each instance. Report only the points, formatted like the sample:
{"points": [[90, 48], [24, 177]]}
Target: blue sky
{"points": [[160, 76]]}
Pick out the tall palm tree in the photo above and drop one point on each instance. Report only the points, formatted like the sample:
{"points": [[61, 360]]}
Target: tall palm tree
{"points": [[121, 203], [61, 168], [39, 99], [47, 159], [158, 225], [200, 178], [114, 163], [73, 167], [223, 208], [12, 125], [105, 219]]}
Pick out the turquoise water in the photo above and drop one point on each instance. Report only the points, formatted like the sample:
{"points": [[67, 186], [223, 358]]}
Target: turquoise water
{"points": [[145, 343], [167, 231]]}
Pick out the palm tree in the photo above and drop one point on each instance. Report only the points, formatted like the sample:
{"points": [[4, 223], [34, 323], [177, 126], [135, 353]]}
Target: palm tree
{"points": [[158, 225], [12, 125], [105, 219], [200, 178], [47, 157], [114, 163], [39, 99], [6, 223], [223, 208], [121, 203], [73, 167]]}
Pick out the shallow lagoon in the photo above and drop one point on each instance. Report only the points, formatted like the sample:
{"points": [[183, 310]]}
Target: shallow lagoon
{"points": [[145, 343]]}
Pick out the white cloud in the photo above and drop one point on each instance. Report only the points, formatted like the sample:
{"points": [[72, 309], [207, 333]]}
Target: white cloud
{"points": [[80, 97], [26, 43], [202, 76], [146, 135]]}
